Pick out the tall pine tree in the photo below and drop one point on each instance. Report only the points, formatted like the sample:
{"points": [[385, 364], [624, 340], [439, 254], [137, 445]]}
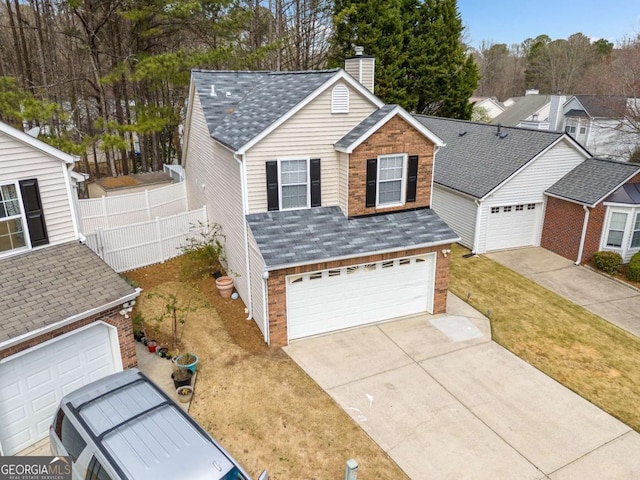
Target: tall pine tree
{"points": [[421, 62]]}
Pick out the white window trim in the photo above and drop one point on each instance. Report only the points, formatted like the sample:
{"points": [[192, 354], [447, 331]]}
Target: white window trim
{"points": [[635, 213], [334, 107], [288, 159], [625, 247], [23, 218], [403, 181]]}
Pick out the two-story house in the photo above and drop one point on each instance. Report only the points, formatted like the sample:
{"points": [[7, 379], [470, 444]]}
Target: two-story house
{"points": [[61, 307], [324, 195]]}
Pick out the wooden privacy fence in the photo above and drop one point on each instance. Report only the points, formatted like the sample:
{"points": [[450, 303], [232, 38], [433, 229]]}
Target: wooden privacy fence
{"points": [[107, 212], [140, 244]]}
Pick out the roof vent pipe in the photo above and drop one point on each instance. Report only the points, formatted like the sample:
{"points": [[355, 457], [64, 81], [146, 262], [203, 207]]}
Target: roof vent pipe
{"points": [[359, 51], [499, 127]]}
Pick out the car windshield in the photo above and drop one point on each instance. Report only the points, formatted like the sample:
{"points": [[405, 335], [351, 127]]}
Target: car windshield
{"points": [[234, 474]]}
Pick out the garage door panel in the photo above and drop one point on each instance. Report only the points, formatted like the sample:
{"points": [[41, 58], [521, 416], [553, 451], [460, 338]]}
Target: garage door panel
{"points": [[325, 301], [513, 226], [32, 383]]}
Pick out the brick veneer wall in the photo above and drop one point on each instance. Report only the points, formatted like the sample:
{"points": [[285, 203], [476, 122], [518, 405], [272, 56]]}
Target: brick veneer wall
{"points": [[396, 136], [112, 317], [276, 286], [563, 222]]}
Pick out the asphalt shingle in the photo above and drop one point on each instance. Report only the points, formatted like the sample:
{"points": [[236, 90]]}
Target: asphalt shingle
{"points": [[364, 126], [604, 106], [476, 160], [313, 235], [592, 180], [247, 103], [45, 286], [523, 108]]}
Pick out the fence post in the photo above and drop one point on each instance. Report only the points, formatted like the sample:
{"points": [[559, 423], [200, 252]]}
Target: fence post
{"points": [[104, 210], [146, 199], [184, 196], [159, 232]]}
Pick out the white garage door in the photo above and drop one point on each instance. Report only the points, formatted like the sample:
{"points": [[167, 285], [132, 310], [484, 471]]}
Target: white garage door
{"points": [[32, 384], [513, 226], [334, 299]]}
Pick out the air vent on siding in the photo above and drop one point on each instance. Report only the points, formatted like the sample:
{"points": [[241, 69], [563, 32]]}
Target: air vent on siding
{"points": [[340, 99]]}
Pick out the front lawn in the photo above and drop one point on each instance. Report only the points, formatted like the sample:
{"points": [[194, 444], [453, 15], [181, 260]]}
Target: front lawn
{"points": [[592, 357], [255, 400]]}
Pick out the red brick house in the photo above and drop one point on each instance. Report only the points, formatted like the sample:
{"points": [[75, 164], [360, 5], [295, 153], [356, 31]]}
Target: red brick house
{"points": [[596, 206], [324, 195]]}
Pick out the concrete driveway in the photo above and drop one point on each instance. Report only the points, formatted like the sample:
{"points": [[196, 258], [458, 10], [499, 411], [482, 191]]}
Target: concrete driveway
{"points": [[446, 402], [615, 302]]}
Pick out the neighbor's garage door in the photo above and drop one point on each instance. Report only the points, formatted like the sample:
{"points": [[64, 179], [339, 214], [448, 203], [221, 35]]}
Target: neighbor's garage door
{"points": [[513, 226], [334, 299], [32, 384]]}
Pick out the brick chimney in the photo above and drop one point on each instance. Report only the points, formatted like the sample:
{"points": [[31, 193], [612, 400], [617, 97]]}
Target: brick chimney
{"points": [[362, 68]]}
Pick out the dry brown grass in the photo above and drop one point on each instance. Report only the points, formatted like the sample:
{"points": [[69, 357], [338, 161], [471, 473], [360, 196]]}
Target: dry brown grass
{"points": [[592, 357], [255, 400], [117, 182]]}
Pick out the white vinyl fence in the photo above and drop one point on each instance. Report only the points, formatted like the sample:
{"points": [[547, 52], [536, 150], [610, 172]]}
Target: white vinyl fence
{"points": [[176, 172], [133, 246], [106, 212]]}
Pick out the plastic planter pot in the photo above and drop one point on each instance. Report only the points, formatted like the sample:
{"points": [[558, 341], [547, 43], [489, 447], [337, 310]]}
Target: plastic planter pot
{"points": [[188, 361], [181, 379], [151, 345], [184, 393]]}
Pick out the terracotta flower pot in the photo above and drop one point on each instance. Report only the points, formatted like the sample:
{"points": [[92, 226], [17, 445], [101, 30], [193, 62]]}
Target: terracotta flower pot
{"points": [[225, 286]]}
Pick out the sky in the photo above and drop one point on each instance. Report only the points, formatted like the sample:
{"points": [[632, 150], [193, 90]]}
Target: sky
{"points": [[512, 21]]}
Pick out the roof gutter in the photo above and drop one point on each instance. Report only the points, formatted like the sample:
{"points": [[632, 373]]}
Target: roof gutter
{"points": [[270, 268], [75, 318], [243, 187], [585, 224]]}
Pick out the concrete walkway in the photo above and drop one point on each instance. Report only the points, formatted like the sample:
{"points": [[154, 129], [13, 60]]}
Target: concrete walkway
{"points": [[446, 402], [612, 300]]}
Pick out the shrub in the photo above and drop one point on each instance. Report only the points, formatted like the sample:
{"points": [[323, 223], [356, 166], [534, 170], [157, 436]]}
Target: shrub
{"points": [[204, 253], [606, 261], [634, 268]]}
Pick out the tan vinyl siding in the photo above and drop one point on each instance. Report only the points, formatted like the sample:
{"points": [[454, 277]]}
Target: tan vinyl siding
{"points": [[19, 161], [343, 185], [256, 266], [310, 133], [213, 179]]}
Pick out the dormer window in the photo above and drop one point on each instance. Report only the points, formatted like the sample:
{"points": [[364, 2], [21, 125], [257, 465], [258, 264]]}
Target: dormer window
{"points": [[340, 99]]}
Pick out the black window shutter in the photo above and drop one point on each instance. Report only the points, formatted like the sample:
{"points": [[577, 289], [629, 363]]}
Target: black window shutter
{"points": [[372, 177], [33, 212], [272, 186], [412, 178], [316, 196]]}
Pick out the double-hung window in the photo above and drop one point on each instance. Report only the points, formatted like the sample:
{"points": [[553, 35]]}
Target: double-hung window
{"points": [[616, 229], [294, 184], [635, 237], [12, 234], [391, 173]]}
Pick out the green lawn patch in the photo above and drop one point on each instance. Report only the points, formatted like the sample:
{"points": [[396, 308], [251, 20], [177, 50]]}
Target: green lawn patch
{"points": [[592, 357]]}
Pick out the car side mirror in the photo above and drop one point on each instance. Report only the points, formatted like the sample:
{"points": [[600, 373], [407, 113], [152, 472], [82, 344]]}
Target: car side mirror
{"points": [[264, 476]]}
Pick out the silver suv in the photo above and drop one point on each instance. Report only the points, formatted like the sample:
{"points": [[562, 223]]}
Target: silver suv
{"points": [[125, 427]]}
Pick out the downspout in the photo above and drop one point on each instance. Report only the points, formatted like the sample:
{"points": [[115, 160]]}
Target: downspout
{"points": [[476, 235], [584, 234], [265, 307], [243, 189]]}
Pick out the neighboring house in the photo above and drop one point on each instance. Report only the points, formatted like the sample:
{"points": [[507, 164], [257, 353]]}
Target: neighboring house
{"points": [[489, 181], [60, 325], [486, 105], [599, 123], [323, 193], [596, 206], [529, 111]]}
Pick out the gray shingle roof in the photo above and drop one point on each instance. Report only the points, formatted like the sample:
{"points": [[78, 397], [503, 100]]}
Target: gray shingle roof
{"points": [[592, 180], [604, 106], [521, 109], [312, 235], [478, 161], [49, 285], [364, 126], [247, 103]]}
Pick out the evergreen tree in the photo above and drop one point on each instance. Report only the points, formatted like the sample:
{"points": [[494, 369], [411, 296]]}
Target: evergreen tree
{"points": [[421, 62]]}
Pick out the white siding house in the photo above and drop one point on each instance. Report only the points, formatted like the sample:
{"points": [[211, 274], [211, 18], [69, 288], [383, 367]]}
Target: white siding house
{"points": [[489, 181]]}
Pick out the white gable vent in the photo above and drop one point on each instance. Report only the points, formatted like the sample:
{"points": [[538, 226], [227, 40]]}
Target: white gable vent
{"points": [[340, 99]]}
